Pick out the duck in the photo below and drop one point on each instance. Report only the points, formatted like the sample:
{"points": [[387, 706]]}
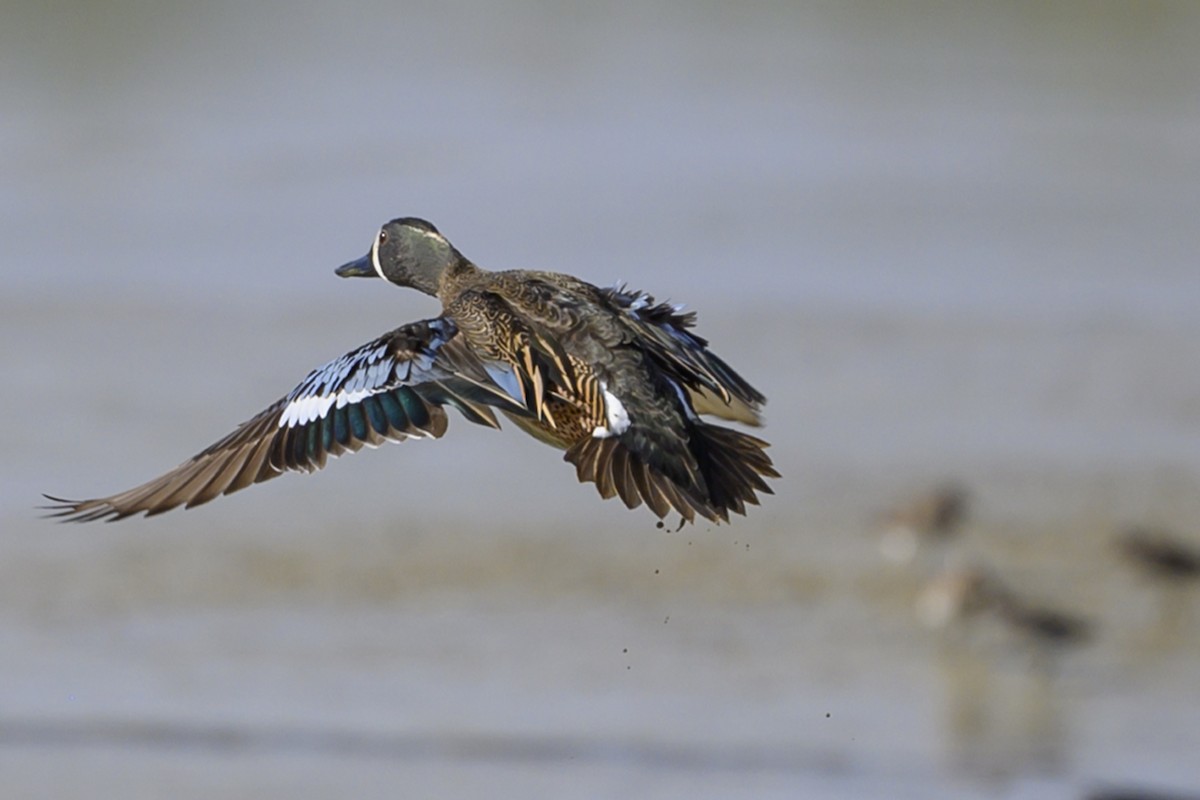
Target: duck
{"points": [[617, 380]]}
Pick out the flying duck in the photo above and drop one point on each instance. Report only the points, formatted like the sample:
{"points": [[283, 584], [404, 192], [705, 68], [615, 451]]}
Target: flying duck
{"points": [[614, 378]]}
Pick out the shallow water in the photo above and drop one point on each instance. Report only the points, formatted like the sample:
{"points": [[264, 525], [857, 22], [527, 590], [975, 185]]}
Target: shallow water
{"points": [[944, 245]]}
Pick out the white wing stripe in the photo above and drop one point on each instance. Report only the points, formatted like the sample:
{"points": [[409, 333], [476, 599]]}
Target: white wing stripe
{"points": [[304, 410], [354, 376], [345, 380]]}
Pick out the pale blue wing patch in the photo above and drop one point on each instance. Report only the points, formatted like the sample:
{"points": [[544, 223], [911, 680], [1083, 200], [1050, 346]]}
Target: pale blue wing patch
{"points": [[505, 376]]}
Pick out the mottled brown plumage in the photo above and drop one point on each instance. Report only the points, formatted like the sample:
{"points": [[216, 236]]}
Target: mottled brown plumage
{"points": [[616, 380]]}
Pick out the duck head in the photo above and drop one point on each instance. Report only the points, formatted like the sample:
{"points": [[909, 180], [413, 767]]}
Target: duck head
{"points": [[407, 252]]}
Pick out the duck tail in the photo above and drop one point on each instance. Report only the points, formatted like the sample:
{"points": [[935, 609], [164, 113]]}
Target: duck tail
{"points": [[734, 465]]}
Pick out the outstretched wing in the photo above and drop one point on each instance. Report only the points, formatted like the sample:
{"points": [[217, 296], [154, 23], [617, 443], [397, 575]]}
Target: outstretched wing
{"points": [[662, 329], [390, 389]]}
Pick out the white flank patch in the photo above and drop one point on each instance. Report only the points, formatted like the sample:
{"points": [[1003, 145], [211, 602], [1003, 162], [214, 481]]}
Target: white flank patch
{"points": [[614, 413]]}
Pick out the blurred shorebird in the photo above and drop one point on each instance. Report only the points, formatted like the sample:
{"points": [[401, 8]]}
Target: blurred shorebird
{"points": [[982, 621], [1159, 555], [1046, 626], [1174, 568], [933, 517], [956, 595], [959, 595], [616, 379]]}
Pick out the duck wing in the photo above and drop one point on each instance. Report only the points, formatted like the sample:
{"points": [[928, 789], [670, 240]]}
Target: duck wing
{"points": [[663, 331], [390, 389]]}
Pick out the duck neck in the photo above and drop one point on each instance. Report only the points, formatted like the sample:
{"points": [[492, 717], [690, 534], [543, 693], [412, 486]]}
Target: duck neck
{"points": [[456, 277]]}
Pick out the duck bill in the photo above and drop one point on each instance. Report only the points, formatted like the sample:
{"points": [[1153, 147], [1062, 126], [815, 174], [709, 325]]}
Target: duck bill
{"points": [[358, 268]]}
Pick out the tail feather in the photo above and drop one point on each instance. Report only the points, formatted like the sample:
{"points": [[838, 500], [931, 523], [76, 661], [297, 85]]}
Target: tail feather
{"points": [[649, 489], [623, 469], [733, 466]]}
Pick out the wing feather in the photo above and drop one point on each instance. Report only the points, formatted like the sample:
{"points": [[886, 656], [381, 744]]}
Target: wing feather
{"points": [[389, 389], [663, 330]]}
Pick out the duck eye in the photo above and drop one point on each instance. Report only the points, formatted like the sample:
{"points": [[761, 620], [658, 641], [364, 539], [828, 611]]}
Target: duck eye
{"points": [[382, 237]]}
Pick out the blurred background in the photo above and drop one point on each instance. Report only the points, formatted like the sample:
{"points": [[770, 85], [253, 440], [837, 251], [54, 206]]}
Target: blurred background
{"points": [[954, 244]]}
